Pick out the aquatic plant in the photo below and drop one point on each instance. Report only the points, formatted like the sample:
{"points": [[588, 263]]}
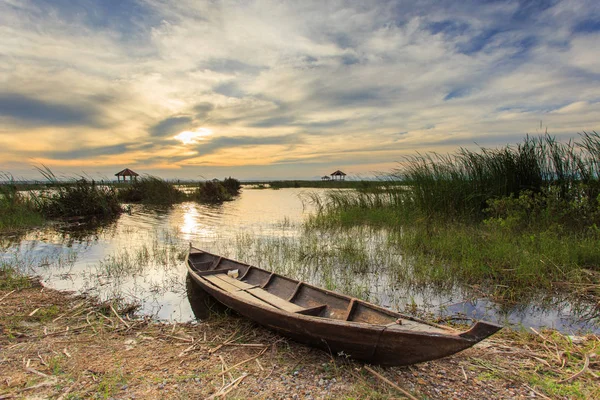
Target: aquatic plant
{"points": [[460, 185], [232, 186], [151, 190], [81, 198], [212, 192], [511, 218]]}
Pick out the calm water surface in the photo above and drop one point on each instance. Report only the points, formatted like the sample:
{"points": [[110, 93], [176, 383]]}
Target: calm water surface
{"points": [[138, 258]]}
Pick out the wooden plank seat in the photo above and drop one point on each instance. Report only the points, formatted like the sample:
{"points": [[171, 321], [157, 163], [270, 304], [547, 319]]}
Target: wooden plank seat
{"points": [[259, 295], [274, 300], [228, 287]]}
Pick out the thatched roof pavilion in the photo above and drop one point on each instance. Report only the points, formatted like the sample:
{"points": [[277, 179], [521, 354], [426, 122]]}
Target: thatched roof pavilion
{"points": [[339, 175], [127, 173], [325, 178]]}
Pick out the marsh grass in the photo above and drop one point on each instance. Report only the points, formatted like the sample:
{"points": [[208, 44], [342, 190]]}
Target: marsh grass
{"points": [[356, 261], [134, 260], [211, 192], [76, 198], [232, 186], [512, 218], [215, 192], [460, 185], [151, 190], [11, 278]]}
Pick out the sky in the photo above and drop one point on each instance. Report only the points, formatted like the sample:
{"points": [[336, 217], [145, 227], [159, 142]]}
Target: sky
{"points": [[266, 89]]}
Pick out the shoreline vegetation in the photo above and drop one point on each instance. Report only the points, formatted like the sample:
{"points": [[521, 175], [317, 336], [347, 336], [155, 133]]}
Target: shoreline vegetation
{"points": [[22, 207], [511, 219], [60, 345]]}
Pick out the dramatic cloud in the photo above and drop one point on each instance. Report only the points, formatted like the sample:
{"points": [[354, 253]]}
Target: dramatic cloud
{"points": [[276, 89], [28, 110], [170, 126]]}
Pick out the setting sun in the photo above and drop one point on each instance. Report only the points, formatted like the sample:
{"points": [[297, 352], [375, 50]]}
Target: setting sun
{"points": [[191, 137]]}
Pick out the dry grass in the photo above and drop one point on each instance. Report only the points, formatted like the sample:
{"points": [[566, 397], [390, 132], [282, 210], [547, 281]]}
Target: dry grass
{"points": [[67, 347]]}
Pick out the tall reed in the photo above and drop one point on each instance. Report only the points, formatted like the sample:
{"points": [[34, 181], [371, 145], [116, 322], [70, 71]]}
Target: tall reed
{"points": [[462, 185], [75, 198], [216, 191], [151, 190]]}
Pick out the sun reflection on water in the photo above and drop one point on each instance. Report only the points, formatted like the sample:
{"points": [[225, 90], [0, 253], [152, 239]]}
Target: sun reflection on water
{"points": [[192, 226]]}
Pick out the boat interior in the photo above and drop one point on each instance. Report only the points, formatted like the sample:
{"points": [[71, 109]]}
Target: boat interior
{"points": [[271, 290]]}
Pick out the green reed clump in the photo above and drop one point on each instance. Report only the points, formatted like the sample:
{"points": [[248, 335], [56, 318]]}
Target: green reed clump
{"points": [[232, 186], [151, 190], [502, 258], [11, 278], [16, 210], [81, 198], [461, 185], [212, 192], [74, 198]]}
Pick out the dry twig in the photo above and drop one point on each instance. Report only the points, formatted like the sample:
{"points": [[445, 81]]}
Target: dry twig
{"points": [[226, 389], [575, 375], [7, 294], [118, 316], [245, 361], [392, 384]]}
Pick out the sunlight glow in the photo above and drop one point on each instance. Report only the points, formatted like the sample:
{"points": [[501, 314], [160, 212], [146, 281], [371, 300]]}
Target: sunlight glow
{"points": [[191, 137]]}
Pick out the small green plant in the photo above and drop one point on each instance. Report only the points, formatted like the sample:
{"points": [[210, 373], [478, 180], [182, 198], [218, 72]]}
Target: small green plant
{"points": [[11, 279], [110, 383], [46, 314]]}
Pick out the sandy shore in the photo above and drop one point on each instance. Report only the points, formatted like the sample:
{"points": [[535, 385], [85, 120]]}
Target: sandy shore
{"points": [[57, 345]]}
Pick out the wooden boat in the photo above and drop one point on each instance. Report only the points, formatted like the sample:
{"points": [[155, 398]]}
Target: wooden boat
{"points": [[337, 323]]}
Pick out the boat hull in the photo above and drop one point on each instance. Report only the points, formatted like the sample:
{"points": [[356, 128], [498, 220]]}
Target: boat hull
{"points": [[373, 343]]}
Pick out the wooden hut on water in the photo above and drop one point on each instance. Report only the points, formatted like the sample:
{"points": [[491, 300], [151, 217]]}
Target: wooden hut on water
{"points": [[338, 175], [127, 173]]}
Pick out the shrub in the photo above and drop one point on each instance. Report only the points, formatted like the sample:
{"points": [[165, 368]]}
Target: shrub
{"points": [[232, 186], [212, 192], [151, 190], [571, 211]]}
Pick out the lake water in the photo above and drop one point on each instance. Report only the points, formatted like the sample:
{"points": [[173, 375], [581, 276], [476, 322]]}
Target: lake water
{"points": [[138, 258]]}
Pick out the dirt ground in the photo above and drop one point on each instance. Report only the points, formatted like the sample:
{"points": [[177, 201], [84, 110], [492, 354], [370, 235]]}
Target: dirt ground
{"points": [[56, 345]]}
